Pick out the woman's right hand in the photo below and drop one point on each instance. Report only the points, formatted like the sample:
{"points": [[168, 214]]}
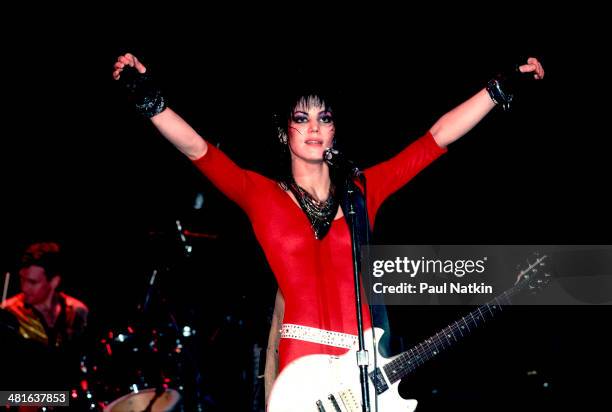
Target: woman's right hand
{"points": [[149, 102], [127, 59]]}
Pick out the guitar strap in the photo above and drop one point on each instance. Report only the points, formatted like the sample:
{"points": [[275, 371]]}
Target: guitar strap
{"points": [[354, 194]]}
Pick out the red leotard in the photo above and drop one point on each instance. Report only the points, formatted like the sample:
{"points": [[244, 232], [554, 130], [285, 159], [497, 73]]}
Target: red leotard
{"points": [[315, 276]]}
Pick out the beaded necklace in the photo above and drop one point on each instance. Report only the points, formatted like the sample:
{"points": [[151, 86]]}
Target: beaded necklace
{"points": [[320, 214]]}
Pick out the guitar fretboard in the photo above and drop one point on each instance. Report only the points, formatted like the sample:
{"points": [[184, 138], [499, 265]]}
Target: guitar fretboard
{"points": [[408, 361]]}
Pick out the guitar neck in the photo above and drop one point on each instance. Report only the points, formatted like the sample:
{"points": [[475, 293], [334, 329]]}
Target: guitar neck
{"points": [[408, 361]]}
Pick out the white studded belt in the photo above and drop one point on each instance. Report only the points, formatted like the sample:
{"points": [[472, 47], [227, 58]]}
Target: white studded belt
{"points": [[316, 335]]}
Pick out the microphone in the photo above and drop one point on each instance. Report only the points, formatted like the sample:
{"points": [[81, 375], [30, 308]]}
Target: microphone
{"points": [[339, 162]]}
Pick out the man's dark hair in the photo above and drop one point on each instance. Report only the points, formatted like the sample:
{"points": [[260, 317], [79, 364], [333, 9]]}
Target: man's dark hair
{"points": [[46, 255]]}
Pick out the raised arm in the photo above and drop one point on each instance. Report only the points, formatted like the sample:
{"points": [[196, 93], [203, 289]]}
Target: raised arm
{"points": [[464, 117], [169, 123], [239, 185]]}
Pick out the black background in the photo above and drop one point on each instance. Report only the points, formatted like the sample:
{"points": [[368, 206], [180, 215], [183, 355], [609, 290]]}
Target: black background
{"points": [[79, 166]]}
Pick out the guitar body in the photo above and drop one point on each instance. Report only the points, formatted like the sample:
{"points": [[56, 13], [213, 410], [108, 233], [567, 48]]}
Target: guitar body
{"points": [[312, 379]]}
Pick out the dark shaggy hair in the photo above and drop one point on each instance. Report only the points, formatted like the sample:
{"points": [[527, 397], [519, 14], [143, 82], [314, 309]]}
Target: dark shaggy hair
{"points": [[306, 95], [46, 255]]}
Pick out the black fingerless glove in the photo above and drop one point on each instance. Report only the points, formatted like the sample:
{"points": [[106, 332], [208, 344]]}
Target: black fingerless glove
{"points": [[142, 92], [503, 87]]}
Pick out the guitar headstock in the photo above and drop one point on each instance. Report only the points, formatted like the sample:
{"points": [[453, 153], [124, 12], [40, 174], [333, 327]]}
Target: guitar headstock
{"points": [[535, 276]]}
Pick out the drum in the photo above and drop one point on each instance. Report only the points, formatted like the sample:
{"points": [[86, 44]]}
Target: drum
{"points": [[126, 365], [167, 401]]}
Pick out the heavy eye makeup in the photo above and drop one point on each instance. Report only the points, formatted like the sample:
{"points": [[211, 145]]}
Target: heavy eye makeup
{"points": [[326, 117], [323, 117], [299, 117]]}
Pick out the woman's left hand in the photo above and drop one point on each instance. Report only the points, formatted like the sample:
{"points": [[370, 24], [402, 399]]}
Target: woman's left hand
{"points": [[533, 66]]}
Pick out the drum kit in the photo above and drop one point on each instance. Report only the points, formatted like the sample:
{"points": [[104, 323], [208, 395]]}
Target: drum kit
{"points": [[146, 365], [149, 362], [138, 370]]}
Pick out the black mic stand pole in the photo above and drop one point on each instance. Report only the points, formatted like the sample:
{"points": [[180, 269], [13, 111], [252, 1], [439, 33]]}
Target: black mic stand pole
{"points": [[362, 353]]}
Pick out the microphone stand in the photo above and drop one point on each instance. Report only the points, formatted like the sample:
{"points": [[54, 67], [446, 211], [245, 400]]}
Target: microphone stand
{"points": [[147, 299], [155, 289], [362, 353]]}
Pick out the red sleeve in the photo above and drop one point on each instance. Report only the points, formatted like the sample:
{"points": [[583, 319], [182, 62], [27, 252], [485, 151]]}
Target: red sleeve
{"points": [[239, 185], [387, 177]]}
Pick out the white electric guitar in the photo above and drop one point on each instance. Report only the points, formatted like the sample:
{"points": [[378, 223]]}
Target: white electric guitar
{"points": [[324, 383]]}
